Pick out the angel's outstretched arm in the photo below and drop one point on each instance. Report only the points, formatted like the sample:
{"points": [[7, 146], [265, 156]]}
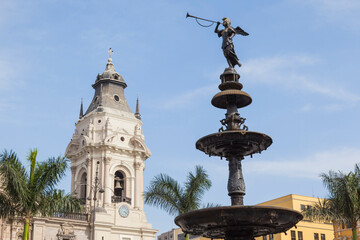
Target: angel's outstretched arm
{"points": [[216, 28]]}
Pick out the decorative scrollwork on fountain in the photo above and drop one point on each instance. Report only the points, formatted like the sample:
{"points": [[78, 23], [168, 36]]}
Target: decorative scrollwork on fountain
{"points": [[233, 121]]}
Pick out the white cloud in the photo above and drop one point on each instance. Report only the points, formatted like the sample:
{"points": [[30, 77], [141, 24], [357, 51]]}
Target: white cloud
{"points": [[311, 166], [185, 99], [306, 108], [289, 72], [341, 12]]}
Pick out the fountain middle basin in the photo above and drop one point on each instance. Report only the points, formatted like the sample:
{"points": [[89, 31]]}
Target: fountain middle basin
{"points": [[233, 143], [238, 222]]}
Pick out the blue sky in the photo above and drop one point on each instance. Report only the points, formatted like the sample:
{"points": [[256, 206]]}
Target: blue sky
{"points": [[300, 65]]}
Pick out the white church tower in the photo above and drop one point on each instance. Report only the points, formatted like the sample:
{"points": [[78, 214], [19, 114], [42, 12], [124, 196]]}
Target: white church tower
{"points": [[108, 154]]}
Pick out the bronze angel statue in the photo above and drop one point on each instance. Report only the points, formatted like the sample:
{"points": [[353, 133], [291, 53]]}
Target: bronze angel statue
{"points": [[227, 45], [227, 34]]}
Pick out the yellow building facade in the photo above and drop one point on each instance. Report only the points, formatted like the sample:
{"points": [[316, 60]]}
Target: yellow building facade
{"points": [[305, 229], [343, 232]]}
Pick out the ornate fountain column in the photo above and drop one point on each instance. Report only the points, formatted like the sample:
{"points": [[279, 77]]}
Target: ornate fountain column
{"points": [[236, 183]]}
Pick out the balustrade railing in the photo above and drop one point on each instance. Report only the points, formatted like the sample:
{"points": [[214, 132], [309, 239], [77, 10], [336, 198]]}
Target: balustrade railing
{"points": [[117, 199], [73, 216]]}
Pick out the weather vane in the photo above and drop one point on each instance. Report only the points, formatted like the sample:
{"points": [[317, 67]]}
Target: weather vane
{"points": [[110, 52], [227, 35]]}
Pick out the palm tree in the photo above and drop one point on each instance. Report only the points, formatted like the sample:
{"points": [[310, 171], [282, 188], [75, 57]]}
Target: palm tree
{"points": [[26, 194], [166, 193], [343, 204]]}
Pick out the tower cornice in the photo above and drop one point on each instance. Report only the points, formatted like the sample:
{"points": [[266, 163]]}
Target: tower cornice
{"points": [[109, 80]]}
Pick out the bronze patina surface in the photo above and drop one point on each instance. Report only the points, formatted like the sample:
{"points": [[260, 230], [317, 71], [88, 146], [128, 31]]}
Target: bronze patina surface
{"points": [[237, 97], [238, 222], [233, 143]]}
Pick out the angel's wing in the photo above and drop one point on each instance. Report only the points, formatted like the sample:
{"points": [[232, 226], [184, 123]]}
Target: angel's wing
{"points": [[239, 30]]}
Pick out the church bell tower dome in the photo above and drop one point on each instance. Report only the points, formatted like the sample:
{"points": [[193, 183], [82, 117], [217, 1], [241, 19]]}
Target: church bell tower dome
{"points": [[109, 91]]}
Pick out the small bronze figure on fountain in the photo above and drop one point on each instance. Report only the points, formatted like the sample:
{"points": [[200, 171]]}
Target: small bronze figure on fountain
{"points": [[227, 45]]}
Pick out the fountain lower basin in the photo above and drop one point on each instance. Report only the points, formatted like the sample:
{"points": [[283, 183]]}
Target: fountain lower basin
{"points": [[238, 222]]}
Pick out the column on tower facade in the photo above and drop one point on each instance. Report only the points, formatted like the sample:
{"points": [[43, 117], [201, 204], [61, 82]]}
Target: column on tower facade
{"points": [[88, 180], [141, 184], [138, 183], [107, 186], [73, 170]]}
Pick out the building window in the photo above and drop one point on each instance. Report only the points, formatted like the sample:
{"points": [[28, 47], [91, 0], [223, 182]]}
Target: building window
{"points": [[322, 236], [265, 237], [305, 207], [271, 237], [83, 183], [293, 236], [316, 236], [300, 235]]}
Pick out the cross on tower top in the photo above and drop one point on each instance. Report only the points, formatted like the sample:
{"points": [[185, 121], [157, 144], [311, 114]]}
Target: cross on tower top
{"points": [[110, 52]]}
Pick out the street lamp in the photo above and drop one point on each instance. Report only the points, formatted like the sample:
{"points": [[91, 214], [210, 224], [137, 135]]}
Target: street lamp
{"points": [[97, 188]]}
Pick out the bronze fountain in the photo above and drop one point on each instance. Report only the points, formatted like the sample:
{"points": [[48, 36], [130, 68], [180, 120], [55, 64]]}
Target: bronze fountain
{"points": [[234, 142]]}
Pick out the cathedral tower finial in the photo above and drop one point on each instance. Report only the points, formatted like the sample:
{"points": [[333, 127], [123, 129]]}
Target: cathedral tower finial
{"points": [[109, 90], [110, 52], [137, 112], [81, 109]]}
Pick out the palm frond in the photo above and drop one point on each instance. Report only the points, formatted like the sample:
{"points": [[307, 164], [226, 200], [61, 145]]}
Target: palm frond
{"points": [[56, 201], [322, 210], [32, 159], [166, 193], [210, 205], [344, 197], [195, 187], [9, 208], [14, 177], [48, 173]]}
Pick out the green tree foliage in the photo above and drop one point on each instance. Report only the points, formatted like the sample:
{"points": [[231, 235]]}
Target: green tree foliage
{"points": [[166, 193], [343, 204], [26, 194]]}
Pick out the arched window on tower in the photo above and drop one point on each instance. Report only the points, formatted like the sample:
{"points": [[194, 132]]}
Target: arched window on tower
{"points": [[83, 193], [120, 188]]}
